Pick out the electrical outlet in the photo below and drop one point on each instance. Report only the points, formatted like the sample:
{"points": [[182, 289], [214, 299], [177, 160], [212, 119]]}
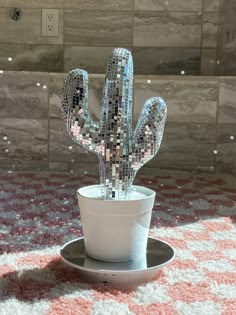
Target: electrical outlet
{"points": [[50, 25]]}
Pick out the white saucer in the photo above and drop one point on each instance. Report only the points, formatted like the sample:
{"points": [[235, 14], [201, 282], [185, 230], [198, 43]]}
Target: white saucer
{"points": [[158, 255]]}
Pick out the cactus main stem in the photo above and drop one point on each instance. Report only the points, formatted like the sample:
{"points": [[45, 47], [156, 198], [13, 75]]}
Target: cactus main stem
{"points": [[114, 183], [121, 151], [116, 173]]}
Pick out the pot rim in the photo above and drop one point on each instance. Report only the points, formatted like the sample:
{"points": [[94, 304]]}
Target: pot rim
{"points": [[150, 194]]}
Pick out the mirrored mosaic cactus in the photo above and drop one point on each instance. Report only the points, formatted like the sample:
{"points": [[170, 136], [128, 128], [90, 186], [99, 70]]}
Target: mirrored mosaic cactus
{"points": [[121, 150]]}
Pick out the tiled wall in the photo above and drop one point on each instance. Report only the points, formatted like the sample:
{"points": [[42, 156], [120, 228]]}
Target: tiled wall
{"points": [[200, 133], [165, 36]]}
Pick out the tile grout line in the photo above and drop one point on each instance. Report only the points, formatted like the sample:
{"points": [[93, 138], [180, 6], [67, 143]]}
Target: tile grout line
{"points": [[217, 123], [63, 29], [217, 72], [48, 99], [97, 45], [201, 44]]}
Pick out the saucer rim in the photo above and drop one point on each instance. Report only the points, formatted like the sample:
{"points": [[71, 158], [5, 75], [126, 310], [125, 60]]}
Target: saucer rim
{"points": [[117, 271]]}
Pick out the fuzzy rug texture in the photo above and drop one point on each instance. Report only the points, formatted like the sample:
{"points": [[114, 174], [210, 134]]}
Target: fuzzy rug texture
{"points": [[194, 213]]}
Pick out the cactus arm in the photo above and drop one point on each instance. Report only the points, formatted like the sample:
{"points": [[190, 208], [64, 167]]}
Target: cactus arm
{"points": [[82, 129], [149, 130]]}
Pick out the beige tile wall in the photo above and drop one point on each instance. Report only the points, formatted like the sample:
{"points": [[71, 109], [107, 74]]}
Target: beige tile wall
{"points": [[200, 133], [196, 36]]}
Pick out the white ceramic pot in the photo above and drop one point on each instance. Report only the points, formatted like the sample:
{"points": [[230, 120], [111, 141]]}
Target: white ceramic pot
{"points": [[115, 230]]}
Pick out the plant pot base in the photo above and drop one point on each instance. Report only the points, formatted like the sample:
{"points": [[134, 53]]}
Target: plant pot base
{"points": [[116, 230], [125, 274]]}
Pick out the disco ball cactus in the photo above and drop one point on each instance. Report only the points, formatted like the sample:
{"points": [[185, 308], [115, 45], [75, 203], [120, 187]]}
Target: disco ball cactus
{"points": [[121, 151]]}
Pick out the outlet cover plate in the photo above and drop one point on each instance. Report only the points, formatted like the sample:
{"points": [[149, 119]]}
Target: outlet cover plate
{"points": [[50, 22]]}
